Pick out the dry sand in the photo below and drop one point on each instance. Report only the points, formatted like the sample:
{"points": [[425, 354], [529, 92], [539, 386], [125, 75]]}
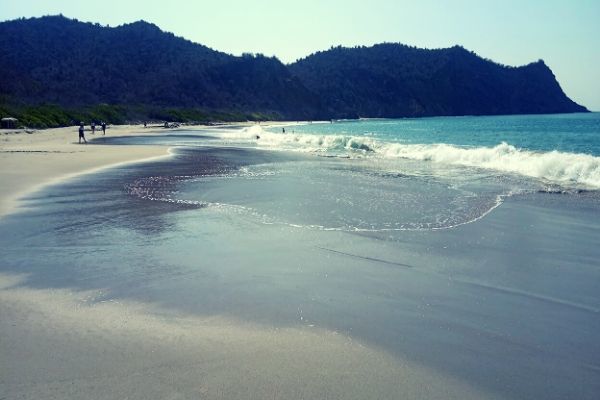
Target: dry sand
{"points": [[62, 344]]}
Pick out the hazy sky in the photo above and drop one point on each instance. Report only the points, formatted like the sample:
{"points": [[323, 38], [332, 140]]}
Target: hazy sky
{"points": [[564, 33]]}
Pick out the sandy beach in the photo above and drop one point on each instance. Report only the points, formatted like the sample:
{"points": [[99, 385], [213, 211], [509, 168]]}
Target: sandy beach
{"points": [[401, 202], [69, 344], [61, 345], [29, 160], [174, 265]]}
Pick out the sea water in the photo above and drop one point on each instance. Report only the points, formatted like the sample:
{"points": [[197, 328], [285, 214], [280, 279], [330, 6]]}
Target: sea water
{"points": [[408, 174], [468, 245], [558, 149]]}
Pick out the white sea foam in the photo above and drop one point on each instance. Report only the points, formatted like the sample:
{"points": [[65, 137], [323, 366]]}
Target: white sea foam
{"points": [[570, 169], [301, 142], [553, 166]]}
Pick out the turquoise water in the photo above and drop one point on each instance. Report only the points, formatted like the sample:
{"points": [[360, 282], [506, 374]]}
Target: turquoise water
{"points": [[572, 133], [554, 150]]}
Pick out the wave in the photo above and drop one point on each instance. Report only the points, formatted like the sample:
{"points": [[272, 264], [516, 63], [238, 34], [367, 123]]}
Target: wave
{"points": [[301, 142], [566, 169], [554, 166]]}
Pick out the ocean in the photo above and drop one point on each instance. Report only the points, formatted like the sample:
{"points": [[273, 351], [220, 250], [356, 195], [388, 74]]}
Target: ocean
{"points": [[465, 245]]}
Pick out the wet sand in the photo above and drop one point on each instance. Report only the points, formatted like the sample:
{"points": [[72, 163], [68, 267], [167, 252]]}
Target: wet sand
{"points": [[62, 343], [57, 344], [106, 295]]}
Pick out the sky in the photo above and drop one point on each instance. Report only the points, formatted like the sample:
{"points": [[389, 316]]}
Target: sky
{"points": [[564, 33]]}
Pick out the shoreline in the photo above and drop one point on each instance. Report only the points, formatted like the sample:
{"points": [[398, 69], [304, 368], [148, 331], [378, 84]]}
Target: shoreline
{"points": [[31, 161], [69, 342], [97, 285]]}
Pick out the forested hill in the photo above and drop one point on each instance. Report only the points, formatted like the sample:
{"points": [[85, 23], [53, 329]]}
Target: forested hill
{"points": [[144, 72], [74, 64], [393, 80]]}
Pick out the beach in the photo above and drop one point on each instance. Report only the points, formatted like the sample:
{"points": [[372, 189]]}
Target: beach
{"points": [[45, 156], [61, 344], [179, 264]]}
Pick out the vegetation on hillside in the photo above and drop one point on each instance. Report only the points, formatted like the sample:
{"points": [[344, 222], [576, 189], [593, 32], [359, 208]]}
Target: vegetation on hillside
{"points": [[56, 70], [53, 116], [393, 80]]}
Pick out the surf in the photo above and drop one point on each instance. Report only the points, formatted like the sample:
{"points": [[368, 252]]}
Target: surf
{"points": [[571, 170]]}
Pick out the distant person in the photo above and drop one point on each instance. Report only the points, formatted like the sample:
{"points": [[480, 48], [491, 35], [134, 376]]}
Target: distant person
{"points": [[81, 136], [283, 130], [103, 128], [93, 128], [144, 124]]}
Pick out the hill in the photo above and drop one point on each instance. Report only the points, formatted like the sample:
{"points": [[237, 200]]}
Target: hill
{"points": [[394, 80], [54, 70], [73, 64]]}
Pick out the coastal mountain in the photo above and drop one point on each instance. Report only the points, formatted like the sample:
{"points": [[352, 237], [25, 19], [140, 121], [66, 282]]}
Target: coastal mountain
{"points": [[73, 64], [143, 72], [393, 80]]}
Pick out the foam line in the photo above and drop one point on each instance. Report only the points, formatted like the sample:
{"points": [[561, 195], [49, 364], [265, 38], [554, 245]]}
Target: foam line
{"points": [[567, 169]]}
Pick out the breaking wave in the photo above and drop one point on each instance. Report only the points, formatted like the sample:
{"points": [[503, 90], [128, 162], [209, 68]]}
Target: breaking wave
{"points": [[568, 169], [554, 166]]}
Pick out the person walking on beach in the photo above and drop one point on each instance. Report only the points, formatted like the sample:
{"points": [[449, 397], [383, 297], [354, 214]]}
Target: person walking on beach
{"points": [[93, 128], [81, 136], [103, 128]]}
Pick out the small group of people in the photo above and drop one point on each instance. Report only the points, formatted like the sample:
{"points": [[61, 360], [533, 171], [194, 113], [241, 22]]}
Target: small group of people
{"points": [[93, 126]]}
